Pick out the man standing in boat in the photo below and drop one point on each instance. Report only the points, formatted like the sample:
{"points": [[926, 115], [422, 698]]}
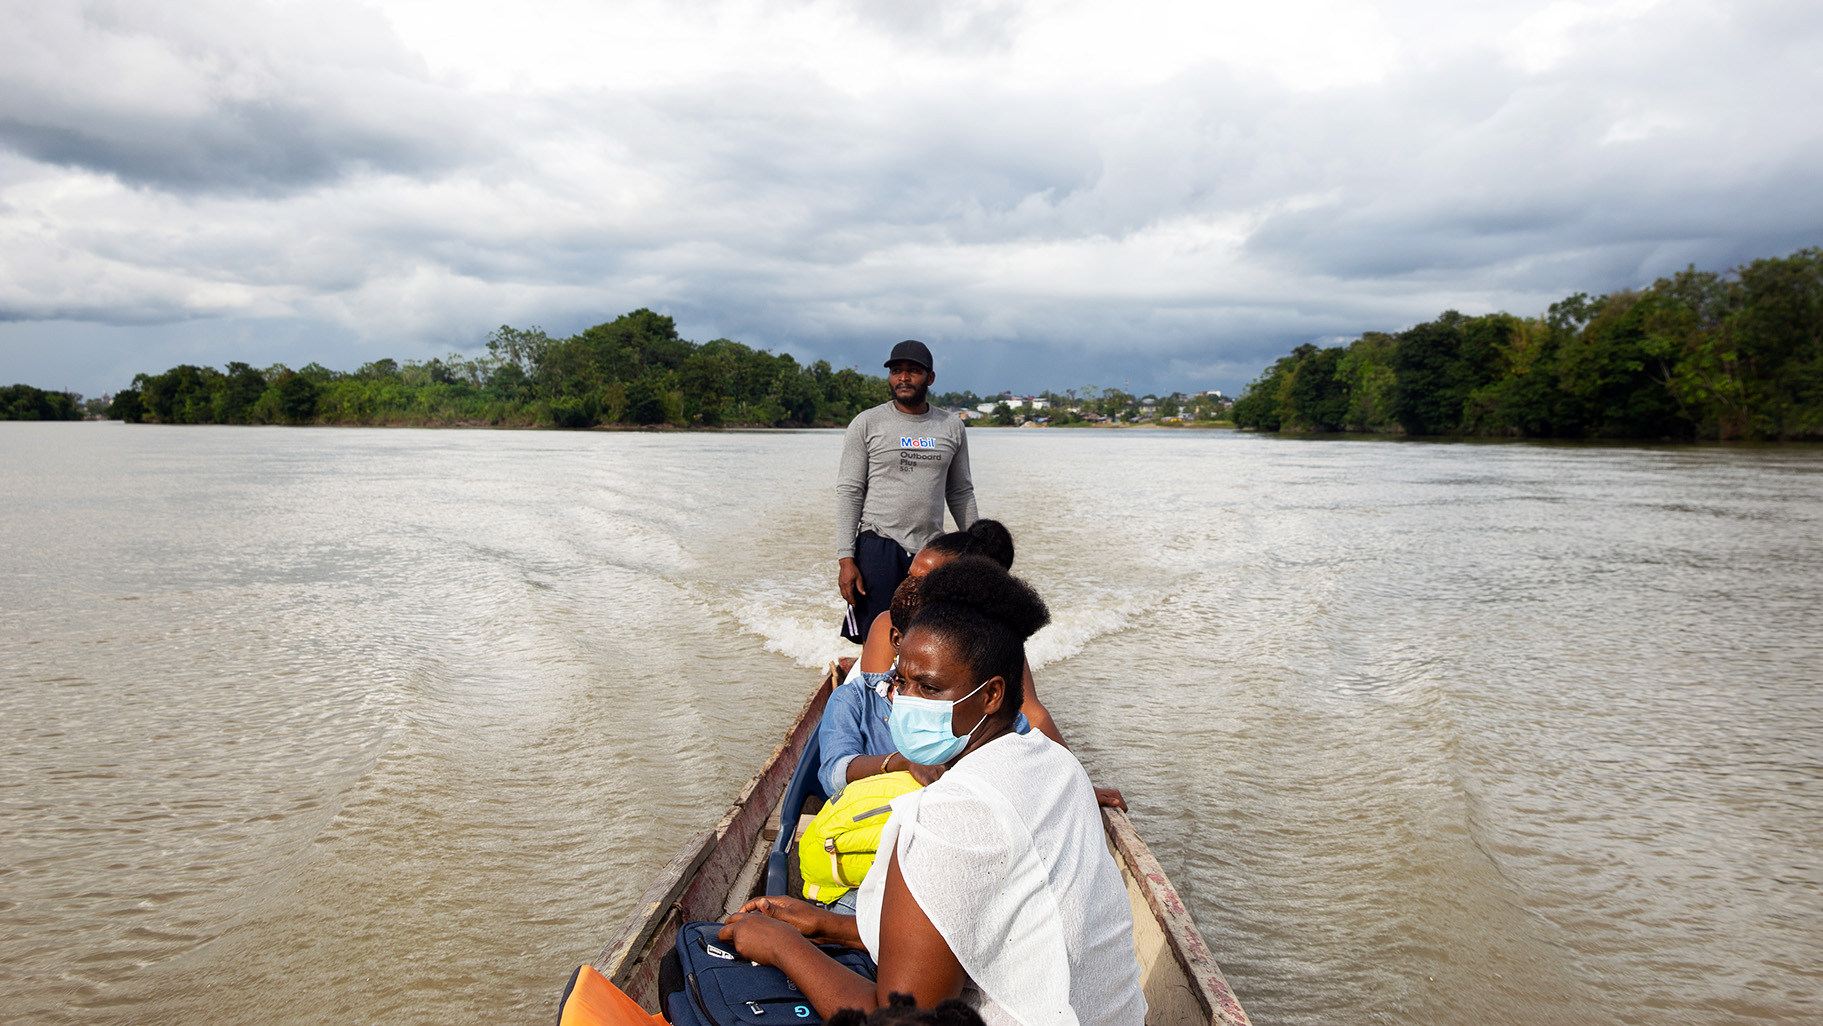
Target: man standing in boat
{"points": [[902, 462]]}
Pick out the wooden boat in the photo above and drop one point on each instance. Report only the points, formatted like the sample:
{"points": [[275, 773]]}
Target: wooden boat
{"points": [[721, 868]]}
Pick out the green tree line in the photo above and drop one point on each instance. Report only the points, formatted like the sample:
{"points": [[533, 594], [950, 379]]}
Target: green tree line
{"points": [[1735, 355], [23, 402], [634, 369]]}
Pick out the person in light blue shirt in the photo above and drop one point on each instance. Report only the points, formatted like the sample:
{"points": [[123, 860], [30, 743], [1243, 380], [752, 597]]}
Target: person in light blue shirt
{"points": [[854, 724]]}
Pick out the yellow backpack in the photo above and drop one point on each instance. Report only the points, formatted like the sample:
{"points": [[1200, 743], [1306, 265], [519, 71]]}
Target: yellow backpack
{"points": [[838, 846]]}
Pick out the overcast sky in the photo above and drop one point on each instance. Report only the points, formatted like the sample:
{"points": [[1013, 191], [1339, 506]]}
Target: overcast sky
{"points": [[1052, 194]]}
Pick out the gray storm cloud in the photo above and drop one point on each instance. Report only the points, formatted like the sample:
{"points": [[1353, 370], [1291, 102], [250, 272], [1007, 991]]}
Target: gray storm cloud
{"points": [[218, 97], [225, 165]]}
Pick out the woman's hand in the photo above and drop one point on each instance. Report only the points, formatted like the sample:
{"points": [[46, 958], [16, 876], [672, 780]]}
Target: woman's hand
{"points": [[760, 938], [813, 921], [925, 775], [801, 916], [1111, 798], [761, 932]]}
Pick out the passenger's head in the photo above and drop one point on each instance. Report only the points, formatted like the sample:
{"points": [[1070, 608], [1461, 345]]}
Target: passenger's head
{"points": [[907, 599], [988, 538], [940, 550], [971, 628], [902, 1010]]}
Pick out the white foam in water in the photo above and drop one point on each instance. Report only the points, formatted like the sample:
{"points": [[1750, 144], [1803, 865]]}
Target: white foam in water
{"points": [[1073, 627], [806, 638], [788, 619], [802, 628]]}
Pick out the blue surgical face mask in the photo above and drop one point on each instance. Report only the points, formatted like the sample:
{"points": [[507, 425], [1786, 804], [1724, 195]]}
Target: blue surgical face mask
{"points": [[921, 728]]}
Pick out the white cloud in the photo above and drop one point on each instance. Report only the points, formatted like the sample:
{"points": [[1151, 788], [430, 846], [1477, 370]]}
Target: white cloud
{"points": [[1547, 37], [1063, 183]]}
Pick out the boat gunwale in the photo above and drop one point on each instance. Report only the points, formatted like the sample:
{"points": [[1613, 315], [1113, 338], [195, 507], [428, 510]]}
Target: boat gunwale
{"points": [[677, 894], [1204, 977]]}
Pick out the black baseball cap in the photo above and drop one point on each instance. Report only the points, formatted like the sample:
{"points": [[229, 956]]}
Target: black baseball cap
{"points": [[913, 350]]}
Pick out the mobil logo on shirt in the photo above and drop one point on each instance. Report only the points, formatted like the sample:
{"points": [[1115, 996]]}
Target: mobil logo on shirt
{"points": [[917, 443]]}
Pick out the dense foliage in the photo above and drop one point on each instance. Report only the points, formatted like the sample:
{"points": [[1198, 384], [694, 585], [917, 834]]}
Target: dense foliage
{"points": [[23, 402], [631, 370], [1699, 354]]}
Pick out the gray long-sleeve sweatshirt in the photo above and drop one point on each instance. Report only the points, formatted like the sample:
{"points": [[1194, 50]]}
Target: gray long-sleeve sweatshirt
{"points": [[898, 472]]}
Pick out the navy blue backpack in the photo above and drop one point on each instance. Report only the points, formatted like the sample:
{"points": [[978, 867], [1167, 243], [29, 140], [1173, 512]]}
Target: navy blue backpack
{"points": [[713, 986]]}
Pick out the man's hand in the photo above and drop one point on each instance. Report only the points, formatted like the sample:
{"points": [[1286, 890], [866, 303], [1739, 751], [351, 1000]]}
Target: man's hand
{"points": [[848, 582], [1111, 798]]}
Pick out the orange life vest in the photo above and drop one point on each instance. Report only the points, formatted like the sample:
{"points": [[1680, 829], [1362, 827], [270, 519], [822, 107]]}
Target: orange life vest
{"points": [[592, 1001]]}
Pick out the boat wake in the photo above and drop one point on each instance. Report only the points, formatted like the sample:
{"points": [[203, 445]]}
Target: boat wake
{"points": [[792, 619], [804, 634], [1073, 627]]}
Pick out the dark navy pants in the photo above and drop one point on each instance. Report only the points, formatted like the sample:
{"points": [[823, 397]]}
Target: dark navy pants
{"points": [[883, 564]]}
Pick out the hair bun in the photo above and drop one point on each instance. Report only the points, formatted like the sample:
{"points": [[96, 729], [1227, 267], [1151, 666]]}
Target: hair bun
{"points": [[993, 540]]}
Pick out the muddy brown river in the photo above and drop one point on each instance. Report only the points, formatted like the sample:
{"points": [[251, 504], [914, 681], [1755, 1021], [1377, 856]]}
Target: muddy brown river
{"points": [[337, 726]]}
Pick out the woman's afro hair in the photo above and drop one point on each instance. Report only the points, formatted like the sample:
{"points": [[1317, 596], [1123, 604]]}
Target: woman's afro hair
{"points": [[987, 614]]}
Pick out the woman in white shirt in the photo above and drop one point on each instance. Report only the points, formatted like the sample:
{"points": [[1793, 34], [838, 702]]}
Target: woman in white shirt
{"points": [[999, 887]]}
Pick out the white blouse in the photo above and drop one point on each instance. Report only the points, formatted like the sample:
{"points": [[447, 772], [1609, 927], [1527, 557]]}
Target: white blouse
{"points": [[1005, 854]]}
